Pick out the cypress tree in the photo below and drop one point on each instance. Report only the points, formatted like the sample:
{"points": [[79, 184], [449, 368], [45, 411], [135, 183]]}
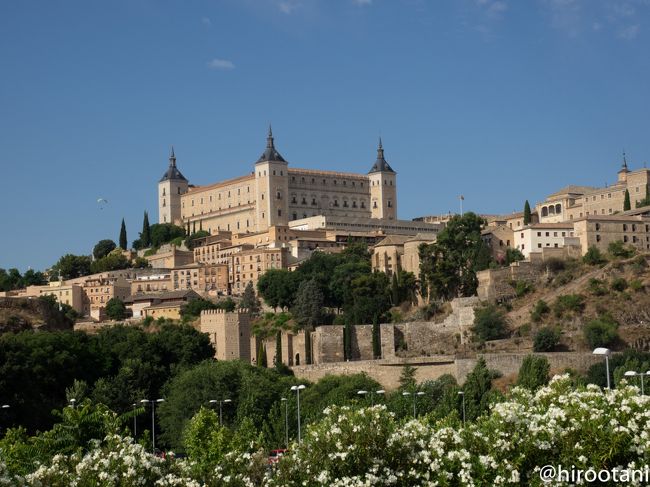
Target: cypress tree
{"points": [[527, 216], [145, 236], [261, 356], [278, 348], [347, 340], [123, 241], [376, 345], [626, 203], [394, 290]]}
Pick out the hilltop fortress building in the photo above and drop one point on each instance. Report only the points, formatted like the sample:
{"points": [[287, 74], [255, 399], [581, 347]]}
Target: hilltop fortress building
{"points": [[274, 194]]}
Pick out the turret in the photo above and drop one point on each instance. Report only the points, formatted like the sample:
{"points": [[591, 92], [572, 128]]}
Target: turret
{"points": [[272, 182], [383, 187], [170, 188]]}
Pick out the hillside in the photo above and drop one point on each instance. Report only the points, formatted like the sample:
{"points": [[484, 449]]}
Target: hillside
{"points": [[18, 314], [575, 294]]}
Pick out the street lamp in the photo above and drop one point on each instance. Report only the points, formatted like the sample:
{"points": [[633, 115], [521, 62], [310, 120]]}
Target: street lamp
{"points": [[462, 394], [298, 389], [135, 422], [632, 373], [221, 402], [606, 352], [372, 395], [415, 395], [153, 420], [286, 421], [72, 402]]}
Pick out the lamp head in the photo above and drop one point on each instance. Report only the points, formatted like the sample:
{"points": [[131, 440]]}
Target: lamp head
{"points": [[361, 393], [602, 351], [630, 373], [380, 391], [227, 400], [406, 393]]}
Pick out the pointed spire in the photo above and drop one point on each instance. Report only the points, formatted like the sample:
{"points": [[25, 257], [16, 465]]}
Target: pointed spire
{"points": [[172, 158], [380, 163], [269, 139], [624, 161], [380, 151], [270, 154]]}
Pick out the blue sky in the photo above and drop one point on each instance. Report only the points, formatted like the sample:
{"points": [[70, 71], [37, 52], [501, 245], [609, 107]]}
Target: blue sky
{"points": [[498, 100]]}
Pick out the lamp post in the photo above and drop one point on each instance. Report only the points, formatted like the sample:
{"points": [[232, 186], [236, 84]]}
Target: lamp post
{"points": [[153, 420], [72, 402], [606, 352], [372, 395], [632, 373], [298, 389], [221, 402], [5, 406], [286, 421], [135, 422], [462, 394], [415, 395]]}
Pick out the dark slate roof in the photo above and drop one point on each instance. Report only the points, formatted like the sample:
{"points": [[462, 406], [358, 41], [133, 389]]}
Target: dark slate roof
{"points": [[270, 154], [380, 164], [172, 171]]}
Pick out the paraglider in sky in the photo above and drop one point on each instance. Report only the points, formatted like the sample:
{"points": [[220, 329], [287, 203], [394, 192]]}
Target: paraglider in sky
{"points": [[102, 202]]}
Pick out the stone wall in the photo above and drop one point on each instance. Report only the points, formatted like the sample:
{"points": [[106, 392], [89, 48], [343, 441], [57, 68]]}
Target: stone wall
{"points": [[509, 363], [387, 371], [494, 284]]}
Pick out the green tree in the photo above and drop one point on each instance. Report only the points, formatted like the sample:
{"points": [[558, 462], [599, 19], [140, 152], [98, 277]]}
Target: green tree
{"points": [[645, 201], [370, 299], [278, 287], [308, 306], [407, 378], [162, 233], [140, 263], [619, 249], [103, 248], [593, 256], [192, 309], [513, 255], [145, 235], [123, 241], [191, 241], [527, 215], [71, 266], [476, 389], [489, 323], [249, 299], [546, 339], [601, 331], [626, 202], [278, 349], [534, 372], [115, 309], [261, 355], [448, 267], [111, 262]]}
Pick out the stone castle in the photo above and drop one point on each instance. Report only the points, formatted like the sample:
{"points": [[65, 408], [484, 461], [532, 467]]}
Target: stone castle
{"points": [[274, 194]]}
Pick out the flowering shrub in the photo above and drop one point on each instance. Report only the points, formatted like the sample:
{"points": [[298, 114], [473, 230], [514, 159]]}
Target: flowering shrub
{"points": [[557, 425], [117, 462]]}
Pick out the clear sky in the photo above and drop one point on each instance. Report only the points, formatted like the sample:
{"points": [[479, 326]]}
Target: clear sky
{"points": [[498, 100]]}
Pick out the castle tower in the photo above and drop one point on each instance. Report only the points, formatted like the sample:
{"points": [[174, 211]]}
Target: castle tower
{"points": [[170, 188], [383, 188], [272, 186], [622, 172]]}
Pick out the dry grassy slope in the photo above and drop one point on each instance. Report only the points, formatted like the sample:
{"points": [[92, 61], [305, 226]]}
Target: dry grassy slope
{"points": [[21, 314], [630, 308]]}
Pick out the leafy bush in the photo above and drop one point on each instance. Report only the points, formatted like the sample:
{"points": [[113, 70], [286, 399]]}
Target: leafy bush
{"points": [[619, 284], [115, 309], [601, 332], [593, 256], [569, 303], [533, 372], [597, 287], [522, 288], [620, 250], [540, 310], [636, 285], [546, 339], [489, 323]]}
